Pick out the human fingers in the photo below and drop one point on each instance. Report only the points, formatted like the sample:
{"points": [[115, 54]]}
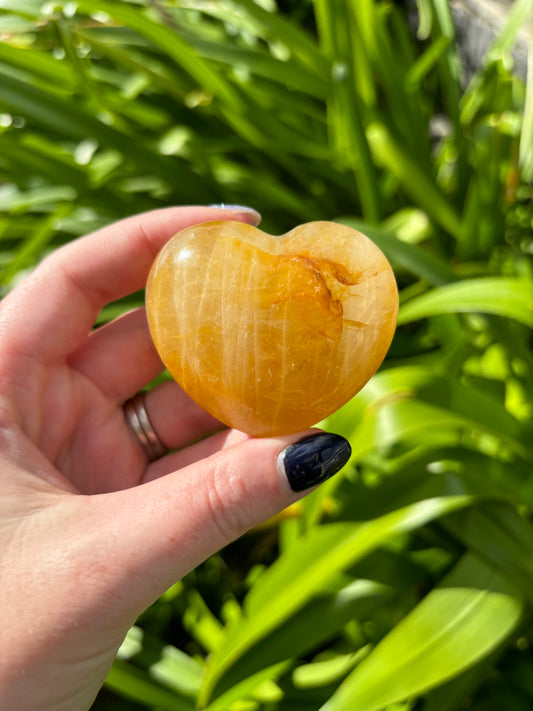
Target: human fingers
{"points": [[176, 419], [195, 452], [128, 547], [176, 521], [119, 357], [50, 314]]}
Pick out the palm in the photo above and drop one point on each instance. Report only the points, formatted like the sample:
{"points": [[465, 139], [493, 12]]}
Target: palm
{"points": [[88, 439], [78, 426]]}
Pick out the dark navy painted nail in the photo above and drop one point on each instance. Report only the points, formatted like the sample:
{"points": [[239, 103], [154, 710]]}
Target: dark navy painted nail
{"points": [[313, 459]]}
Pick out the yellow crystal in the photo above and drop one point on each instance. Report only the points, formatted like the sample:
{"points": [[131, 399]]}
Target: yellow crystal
{"points": [[271, 334]]}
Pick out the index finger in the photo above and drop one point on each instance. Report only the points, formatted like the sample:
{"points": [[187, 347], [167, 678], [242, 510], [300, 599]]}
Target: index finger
{"points": [[50, 314]]}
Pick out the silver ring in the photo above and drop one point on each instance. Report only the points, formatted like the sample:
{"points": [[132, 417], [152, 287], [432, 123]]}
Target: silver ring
{"points": [[139, 422]]}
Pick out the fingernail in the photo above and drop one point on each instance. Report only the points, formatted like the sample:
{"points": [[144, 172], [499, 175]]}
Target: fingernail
{"points": [[256, 217], [313, 459]]}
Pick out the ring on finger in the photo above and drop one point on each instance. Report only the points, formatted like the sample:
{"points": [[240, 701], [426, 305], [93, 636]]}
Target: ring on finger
{"points": [[139, 423]]}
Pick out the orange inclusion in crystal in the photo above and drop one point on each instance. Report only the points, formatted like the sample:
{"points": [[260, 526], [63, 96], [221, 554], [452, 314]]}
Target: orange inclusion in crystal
{"points": [[271, 334]]}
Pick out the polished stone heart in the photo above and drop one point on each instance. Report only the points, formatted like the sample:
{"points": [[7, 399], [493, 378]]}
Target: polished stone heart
{"points": [[271, 334]]}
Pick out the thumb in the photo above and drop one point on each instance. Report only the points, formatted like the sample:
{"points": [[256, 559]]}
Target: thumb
{"points": [[164, 528]]}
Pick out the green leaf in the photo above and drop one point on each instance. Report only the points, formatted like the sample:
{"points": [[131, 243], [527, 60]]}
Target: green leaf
{"points": [[273, 25], [39, 63], [236, 109], [59, 116], [503, 296], [245, 688], [424, 64], [406, 401], [320, 673], [316, 622], [346, 122], [389, 152], [499, 535], [425, 19], [165, 664], [263, 65], [133, 683], [305, 569], [167, 40], [33, 8], [457, 624], [449, 69], [32, 248]]}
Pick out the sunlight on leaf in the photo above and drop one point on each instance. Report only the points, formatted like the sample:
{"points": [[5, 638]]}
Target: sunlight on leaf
{"points": [[469, 615], [508, 297]]}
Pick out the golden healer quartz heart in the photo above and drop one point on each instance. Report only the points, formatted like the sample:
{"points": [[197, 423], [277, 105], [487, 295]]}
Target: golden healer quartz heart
{"points": [[271, 334]]}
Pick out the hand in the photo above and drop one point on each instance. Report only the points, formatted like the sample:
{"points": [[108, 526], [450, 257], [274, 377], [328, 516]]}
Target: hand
{"points": [[91, 532]]}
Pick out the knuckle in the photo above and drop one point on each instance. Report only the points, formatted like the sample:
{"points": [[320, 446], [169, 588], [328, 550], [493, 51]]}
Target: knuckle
{"points": [[228, 502]]}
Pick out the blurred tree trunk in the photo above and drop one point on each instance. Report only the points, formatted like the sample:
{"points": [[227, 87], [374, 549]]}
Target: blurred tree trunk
{"points": [[478, 23]]}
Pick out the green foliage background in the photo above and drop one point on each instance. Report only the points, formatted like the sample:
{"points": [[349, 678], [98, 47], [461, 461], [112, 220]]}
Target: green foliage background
{"points": [[406, 582]]}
